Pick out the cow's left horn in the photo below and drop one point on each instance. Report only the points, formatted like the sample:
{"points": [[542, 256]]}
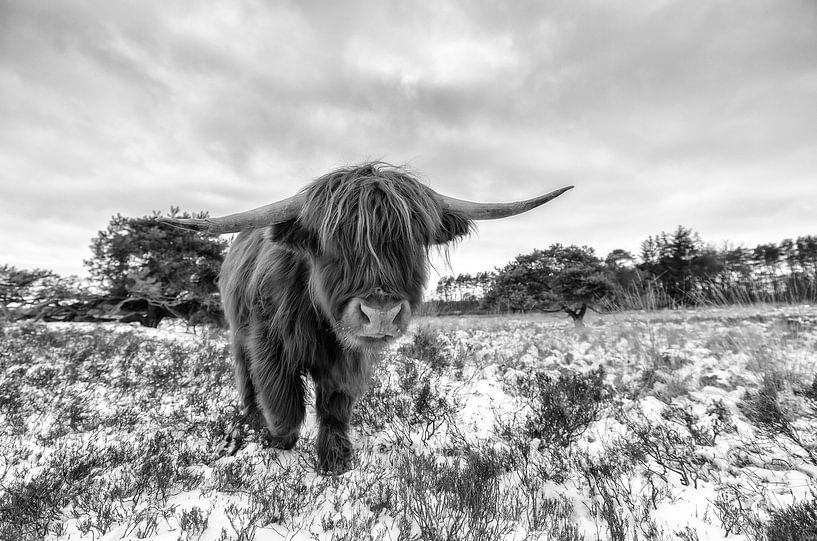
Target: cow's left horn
{"points": [[277, 212], [492, 211]]}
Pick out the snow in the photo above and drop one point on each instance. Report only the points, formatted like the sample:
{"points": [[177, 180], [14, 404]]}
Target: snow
{"points": [[699, 360]]}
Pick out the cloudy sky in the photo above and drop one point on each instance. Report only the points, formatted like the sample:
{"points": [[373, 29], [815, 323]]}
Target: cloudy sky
{"points": [[661, 113]]}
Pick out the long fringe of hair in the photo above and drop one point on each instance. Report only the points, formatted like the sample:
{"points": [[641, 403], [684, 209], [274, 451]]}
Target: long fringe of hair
{"points": [[374, 217]]}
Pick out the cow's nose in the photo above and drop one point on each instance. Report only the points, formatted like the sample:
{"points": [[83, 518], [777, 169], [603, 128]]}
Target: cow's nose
{"points": [[381, 317]]}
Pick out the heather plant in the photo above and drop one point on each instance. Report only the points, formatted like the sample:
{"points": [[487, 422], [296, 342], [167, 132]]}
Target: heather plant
{"points": [[664, 449], [763, 407], [702, 434], [797, 522], [733, 509], [623, 496], [456, 500], [408, 399], [193, 523], [563, 407], [809, 393], [274, 495], [602, 476], [427, 347]]}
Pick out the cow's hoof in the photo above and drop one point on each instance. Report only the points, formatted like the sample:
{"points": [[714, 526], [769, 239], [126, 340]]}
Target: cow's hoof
{"points": [[334, 453], [283, 442]]}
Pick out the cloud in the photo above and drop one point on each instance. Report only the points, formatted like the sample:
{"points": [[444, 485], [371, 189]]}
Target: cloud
{"points": [[661, 114]]}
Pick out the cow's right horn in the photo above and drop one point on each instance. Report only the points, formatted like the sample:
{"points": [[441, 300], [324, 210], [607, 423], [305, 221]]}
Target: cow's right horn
{"points": [[277, 212]]}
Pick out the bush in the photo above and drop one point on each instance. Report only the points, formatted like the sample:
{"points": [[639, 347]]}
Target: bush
{"points": [[810, 391], [794, 523], [661, 446], [454, 500], [413, 403], [563, 408], [427, 347], [764, 409]]}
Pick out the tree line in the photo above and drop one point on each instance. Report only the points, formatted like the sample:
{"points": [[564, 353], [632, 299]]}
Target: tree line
{"points": [[671, 270], [143, 271]]}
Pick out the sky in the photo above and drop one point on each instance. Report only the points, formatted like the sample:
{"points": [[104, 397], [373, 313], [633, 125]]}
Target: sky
{"points": [[661, 113]]}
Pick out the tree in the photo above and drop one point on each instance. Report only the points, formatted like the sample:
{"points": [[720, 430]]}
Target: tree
{"points": [[627, 279], [561, 278], [675, 263], [807, 255], [523, 284], [155, 271], [44, 296], [681, 264]]}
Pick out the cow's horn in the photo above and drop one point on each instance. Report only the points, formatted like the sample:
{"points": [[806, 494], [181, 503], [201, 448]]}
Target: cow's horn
{"points": [[492, 211], [277, 212]]}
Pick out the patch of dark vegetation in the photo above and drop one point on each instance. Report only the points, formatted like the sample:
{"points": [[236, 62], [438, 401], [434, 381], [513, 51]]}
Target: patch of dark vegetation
{"points": [[539, 443], [703, 430], [809, 392], [468, 489], [58, 383], [562, 408], [85, 378], [764, 409], [411, 398], [797, 522], [30, 509], [794, 327], [601, 475], [733, 509], [729, 320], [660, 383], [663, 449], [621, 506], [233, 476], [192, 522], [94, 482], [112, 357], [669, 360], [722, 418], [426, 346], [712, 380], [275, 492]]}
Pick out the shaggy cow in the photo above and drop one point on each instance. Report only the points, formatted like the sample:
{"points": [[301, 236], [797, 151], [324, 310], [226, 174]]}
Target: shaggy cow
{"points": [[321, 282]]}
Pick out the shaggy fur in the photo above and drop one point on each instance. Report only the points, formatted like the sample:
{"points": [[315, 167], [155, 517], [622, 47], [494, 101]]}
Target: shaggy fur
{"points": [[291, 296]]}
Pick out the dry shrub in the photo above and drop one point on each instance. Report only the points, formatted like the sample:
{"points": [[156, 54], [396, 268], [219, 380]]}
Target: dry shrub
{"points": [[454, 500], [797, 522], [563, 408]]}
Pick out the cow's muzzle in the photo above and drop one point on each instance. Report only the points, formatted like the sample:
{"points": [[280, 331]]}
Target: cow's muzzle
{"points": [[378, 318]]}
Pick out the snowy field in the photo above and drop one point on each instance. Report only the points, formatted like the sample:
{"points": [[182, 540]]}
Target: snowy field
{"points": [[689, 425]]}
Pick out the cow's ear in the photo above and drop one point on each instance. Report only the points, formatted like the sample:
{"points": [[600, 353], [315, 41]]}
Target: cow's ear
{"points": [[294, 235], [454, 226]]}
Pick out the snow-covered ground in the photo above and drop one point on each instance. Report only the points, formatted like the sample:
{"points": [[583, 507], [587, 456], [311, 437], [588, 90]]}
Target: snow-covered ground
{"points": [[691, 425]]}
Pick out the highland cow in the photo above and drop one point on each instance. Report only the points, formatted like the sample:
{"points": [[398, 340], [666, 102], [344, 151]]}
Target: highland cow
{"points": [[321, 282]]}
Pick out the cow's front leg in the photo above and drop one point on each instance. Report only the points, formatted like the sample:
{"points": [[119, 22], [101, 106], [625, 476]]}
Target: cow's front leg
{"points": [[280, 397], [334, 409]]}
